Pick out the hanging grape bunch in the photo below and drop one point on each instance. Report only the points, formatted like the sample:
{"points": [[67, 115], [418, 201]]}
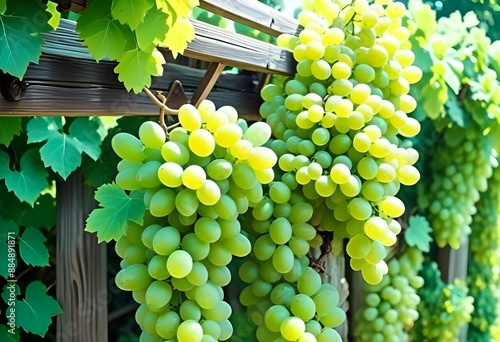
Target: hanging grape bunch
{"points": [[195, 183], [338, 122]]}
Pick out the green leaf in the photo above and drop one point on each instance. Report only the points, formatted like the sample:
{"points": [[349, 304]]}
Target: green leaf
{"points": [[110, 221], [42, 215], [7, 290], [3, 6], [434, 99], [470, 20], [454, 70], [28, 183], [7, 336], [63, 152], [55, 14], [418, 233], [179, 35], [32, 248], [102, 34], [131, 12], [153, 29], [34, 313], [8, 226], [20, 42], [455, 111], [9, 128], [136, 67]]}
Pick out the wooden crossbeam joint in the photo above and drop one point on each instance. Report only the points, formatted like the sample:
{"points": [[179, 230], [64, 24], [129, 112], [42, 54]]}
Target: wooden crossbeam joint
{"points": [[207, 83], [12, 88]]}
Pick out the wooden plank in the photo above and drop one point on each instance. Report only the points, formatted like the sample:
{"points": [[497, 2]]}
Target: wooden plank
{"points": [[81, 267], [64, 101], [218, 45], [254, 14], [212, 44]]}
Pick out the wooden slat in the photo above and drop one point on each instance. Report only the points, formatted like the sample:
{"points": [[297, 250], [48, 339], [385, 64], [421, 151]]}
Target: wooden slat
{"points": [[254, 14], [218, 45], [64, 101], [81, 267], [212, 44]]}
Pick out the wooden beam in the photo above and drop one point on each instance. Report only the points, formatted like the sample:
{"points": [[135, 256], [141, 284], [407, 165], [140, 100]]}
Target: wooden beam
{"points": [[254, 14], [62, 101], [81, 267], [207, 83], [216, 44]]}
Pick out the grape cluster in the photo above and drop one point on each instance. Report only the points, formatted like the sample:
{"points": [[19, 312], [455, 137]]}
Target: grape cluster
{"points": [[195, 182], [461, 168], [390, 307], [444, 308], [337, 122], [483, 275], [285, 296]]}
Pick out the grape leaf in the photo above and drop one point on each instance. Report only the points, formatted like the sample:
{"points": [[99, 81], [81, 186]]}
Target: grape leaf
{"points": [[28, 183], [63, 152], [179, 35], [42, 215], [6, 336], [131, 12], [34, 313], [32, 248], [110, 221], [136, 67], [55, 18], [6, 291], [153, 29], [182, 7], [3, 6], [20, 41], [8, 226], [9, 128], [102, 34], [418, 233]]}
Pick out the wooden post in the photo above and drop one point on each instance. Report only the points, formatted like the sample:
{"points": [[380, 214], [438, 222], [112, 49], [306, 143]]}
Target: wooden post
{"points": [[81, 267], [453, 265], [335, 267]]}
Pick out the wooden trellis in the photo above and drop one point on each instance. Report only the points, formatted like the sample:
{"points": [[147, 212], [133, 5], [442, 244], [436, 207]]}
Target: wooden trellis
{"points": [[68, 82]]}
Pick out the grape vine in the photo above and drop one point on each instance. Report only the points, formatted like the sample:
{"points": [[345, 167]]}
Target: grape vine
{"points": [[125, 31]]}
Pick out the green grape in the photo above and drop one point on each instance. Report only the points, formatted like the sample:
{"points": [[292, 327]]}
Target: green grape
{"points": [[292, 328], [167, 324], [127, 177], [189, 331], [175, 152], [207, 229], [179, 263], [195, 247], [158, 295], [279, 192], [201, 142], [280, 231], [303, 307], [128, 147], [186, 202], [209, 193], [258, 133], [170, 174], [166, 241], [134, 277], [147, 175], [309, 282], [282, 259], [358, 246]]}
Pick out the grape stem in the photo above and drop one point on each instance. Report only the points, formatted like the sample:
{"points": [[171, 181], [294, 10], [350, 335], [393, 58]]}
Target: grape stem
{"points": [[325, 248]]}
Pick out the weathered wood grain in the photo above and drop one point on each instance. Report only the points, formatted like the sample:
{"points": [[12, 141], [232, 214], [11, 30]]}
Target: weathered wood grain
{"points": [[254, 14], [81, 267]]}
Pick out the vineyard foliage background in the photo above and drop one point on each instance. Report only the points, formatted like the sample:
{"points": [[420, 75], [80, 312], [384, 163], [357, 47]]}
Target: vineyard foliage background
{"points": [[459, 101]]}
